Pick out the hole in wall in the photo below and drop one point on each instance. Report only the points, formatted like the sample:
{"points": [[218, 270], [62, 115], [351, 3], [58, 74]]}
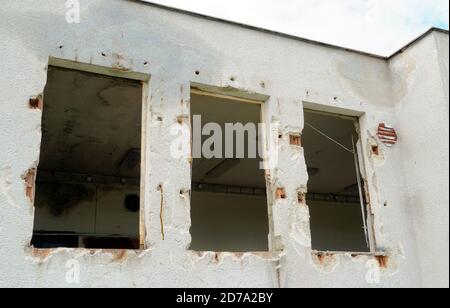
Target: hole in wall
{"points": [[280, 193], [375, 150], [88, 178], [337, 220], [301, 197], [228, 197], [295, 140], [35, 102]]}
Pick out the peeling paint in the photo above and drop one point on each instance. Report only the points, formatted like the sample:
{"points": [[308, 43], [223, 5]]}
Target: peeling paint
{"points": [[119, 256], [39, 256], [301, 197], [295, 140], [325, 262], [382, 261], [36, 102], [280, 193], [182, 119], [29, 178]]}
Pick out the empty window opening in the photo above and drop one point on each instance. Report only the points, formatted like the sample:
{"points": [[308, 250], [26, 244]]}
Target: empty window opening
{"points": [[228, 205], [88, 178], [335, 197]]}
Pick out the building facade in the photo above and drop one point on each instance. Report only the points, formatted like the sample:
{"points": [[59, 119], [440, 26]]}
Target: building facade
{"points": [[53, 65]]}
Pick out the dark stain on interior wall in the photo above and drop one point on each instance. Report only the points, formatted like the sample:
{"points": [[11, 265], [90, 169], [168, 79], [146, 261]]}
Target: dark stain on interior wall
{"points": [[60, 198]]}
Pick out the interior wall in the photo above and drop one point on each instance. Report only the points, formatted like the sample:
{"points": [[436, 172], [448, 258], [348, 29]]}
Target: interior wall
{"points": [[77, 216], [93, 210], [226, 222], [337, 226], [89, 123], [230, 223], [90, 155], [248, 172]]}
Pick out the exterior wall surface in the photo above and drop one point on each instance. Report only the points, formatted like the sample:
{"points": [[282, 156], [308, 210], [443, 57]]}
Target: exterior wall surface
{"points": [[420, 76], [408, 184]]}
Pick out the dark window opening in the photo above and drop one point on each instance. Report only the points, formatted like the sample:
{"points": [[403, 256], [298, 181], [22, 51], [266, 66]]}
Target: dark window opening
{"points": [[88, 178], [335, 198], [228, 204]]}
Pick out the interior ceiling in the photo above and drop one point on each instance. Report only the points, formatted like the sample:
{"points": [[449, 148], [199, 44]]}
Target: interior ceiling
{"points": [[336, 166], [91, 124], [247, 172]]}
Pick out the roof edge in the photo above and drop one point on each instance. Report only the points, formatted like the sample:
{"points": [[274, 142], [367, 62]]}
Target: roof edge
{"points": [[254, 28], [289, 36], [417, 39]]}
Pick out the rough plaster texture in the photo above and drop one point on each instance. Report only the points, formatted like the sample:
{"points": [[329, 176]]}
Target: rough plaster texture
{"points": [[410, 92], [421, 102]]}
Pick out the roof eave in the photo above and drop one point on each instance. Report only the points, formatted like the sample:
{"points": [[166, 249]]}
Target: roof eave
{"points": [[293, 37]]}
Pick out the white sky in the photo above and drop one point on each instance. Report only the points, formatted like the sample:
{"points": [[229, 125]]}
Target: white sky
{"points": [[376, 26]]}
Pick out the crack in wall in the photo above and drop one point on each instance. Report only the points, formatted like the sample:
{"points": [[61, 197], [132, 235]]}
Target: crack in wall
{"points": [[161, 211]]}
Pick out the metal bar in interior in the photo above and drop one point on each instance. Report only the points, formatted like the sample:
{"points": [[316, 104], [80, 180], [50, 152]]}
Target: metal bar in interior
{"points": [[358, 176], [328, 137]]}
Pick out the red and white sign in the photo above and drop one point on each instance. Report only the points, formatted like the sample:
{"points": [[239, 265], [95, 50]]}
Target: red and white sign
{"points": [[387, 134]]}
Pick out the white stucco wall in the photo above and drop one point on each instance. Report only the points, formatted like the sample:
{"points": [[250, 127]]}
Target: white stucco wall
{"points": [[170, 47], [420, 77]]}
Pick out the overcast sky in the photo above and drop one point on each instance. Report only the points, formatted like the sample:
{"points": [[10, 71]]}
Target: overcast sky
{"points": [[376, 26]]}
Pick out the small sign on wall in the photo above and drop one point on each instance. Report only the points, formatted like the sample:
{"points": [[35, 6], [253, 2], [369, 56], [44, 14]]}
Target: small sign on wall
{"points": [[387, 134]]}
